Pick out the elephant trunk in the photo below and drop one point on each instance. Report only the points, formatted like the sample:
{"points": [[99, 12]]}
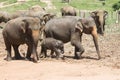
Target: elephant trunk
{"points": [[101, 27]]}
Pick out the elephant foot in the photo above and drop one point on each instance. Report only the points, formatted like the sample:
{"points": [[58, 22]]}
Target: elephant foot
{"points": [[62, 56], [28, 58], [78, 55], [42, 56], [34, 58], [8, 58], [18, 58]]}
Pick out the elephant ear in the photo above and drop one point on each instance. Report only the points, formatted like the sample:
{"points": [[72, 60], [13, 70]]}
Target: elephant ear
{"points": [[93, 14], [105, 14], [47, 17], [79, 25], [24, 25]]}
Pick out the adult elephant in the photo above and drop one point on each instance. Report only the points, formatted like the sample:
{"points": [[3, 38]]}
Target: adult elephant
{"points": [[43, 16], [68, 11], [4, 16], [99, 17], [22, 30], [37, 8], [70, 29]]}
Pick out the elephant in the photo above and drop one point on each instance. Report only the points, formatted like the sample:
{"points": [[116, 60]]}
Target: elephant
{"points": [[99, 16], [66, 29], [18, 13], [43, 16], [54, 45], [4, 16], [22, 30], [70, 28], [37, 8], [68, 11], [89, 27]]}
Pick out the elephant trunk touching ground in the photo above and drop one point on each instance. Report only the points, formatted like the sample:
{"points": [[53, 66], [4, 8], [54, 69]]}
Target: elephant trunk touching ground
{"points": [[89, 27]]}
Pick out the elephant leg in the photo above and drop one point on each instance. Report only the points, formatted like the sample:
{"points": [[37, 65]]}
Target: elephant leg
{"points": [[57, 54], [95, 39], [78, 49], [29, 51], [81, 38], [34, 55], [43, 53], [51, 54], [8, 49], [17, 54]]}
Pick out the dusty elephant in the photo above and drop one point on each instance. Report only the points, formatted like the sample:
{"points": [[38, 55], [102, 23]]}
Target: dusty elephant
{"points": [[99, 17], [70, 29], [68, 11], [54, 45], [66, 29], [22, 30]]}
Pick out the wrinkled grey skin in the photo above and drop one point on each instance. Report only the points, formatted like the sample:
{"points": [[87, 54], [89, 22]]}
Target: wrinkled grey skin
{"points": [[54, 45], [99, 17], [66, 29], [22, 30], [68, 11]]}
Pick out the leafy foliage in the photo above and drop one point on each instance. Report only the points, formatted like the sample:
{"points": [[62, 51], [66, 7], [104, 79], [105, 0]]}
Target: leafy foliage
{"points": [[116, 6]]}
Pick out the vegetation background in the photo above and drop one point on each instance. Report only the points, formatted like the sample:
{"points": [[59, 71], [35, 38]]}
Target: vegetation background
{"points": [[89, 5]]}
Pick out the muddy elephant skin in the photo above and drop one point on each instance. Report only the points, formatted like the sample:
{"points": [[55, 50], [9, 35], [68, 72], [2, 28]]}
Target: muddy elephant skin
{"points": [[22, 30]]}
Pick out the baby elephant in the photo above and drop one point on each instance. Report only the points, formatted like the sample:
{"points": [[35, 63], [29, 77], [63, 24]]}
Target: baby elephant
{"points": [[54, 45]]}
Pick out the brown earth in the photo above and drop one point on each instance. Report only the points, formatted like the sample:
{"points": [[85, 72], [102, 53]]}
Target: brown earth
{"points": [[87, 68]]}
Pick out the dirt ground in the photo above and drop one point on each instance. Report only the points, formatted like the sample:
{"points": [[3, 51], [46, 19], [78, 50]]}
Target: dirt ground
{"points": [[87, 68]]}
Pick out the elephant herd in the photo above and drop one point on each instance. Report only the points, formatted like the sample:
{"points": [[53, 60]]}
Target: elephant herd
{"points": [[34, 25]]}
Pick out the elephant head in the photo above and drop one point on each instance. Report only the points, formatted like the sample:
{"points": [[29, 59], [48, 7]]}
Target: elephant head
{"points": [[99, 18], [68, 11], [4, 16], [37, 8]]}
